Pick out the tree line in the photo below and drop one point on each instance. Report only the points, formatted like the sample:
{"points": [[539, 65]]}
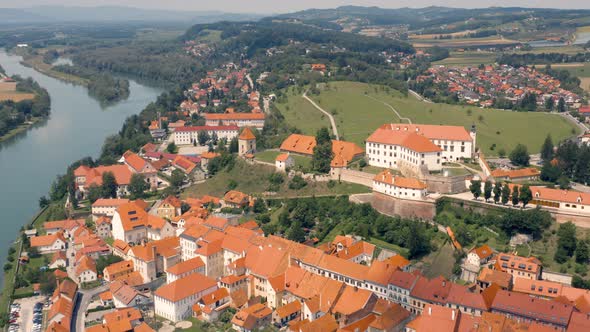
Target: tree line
{"points": [[103, 86], [14, 114]]}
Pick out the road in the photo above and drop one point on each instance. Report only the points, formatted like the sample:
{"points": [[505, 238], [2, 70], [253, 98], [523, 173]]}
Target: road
{"points": [[332, 121], [580, 125], [393, 109], [417, 95], [84, 298]]}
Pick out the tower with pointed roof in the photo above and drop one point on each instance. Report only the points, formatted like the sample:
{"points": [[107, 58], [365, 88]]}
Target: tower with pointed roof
{"points": [[246, 142]]}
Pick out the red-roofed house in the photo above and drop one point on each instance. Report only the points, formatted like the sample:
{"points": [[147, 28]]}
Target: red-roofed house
{"points": [[175, 300], [87, 176], [399, 187], [141, 166]]}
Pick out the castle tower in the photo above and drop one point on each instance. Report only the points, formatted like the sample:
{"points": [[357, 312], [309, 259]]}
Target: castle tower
{"points": [[246, 142]]}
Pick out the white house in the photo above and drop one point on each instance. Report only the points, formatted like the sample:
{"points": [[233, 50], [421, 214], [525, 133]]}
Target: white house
{"points": [[405, 145], [189, 135], [284, 161], [126, 296], [106, 207], [184, 269], [49, 243], [399, 187], [86, 270], [174, 301]]}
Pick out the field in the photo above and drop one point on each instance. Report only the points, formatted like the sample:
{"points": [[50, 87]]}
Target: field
{"points": [[464, 59], [16, 96], [253, 179], [463, 42], [299, 111], [577, 69], [357, 116]]}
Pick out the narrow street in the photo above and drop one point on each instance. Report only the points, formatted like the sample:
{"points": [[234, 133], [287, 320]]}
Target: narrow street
{"points": [[84, 298]]}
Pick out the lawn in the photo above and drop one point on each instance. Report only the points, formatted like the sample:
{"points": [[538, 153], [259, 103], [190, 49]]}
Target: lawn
{"points": [[389, 246], [357, 116], [440, 262], [253, 179], [301, 113], [464, 59], [576, 69]]}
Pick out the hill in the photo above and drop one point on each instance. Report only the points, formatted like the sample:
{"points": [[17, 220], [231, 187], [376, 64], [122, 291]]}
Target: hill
{"points": [[360, 108]]}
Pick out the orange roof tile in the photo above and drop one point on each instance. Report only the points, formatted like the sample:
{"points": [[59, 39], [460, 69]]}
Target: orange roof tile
{"points": [[184, 287], [282, 157], [119, 267], [234, 116], [389, 178], [247, 134], [326, 323], [186, 266], [85, 264], [46, 240], [166, 247], [410, 140], [352, 300]]}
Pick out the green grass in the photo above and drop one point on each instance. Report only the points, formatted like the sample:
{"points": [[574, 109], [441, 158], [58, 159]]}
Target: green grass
{"points": [[389, 246], [580, 71], [464, 59], [357, 116], [440, 263], [299, 111], [253, 179], [269, 156]]}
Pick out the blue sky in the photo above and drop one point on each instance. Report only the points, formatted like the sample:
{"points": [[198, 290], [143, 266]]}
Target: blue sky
{"points": [[274, 6]]}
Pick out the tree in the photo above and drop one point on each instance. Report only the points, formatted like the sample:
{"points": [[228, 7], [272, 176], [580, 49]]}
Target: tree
{"points": [[515, 195], [214, 138], [505, 194], [233, 145], [322, 152], [550, 172], [109, 185], [297, 183], [547, 149], [138, 185], [295, 232], [43, 201], [520, 155], [525, 195], [549, 104], [93, 193], [497, 192], [561, 105], [202, 137], [582, 252], [259, 206], [487, 190], [475, 188], [566, 238], [177, 178], [171, 148]]}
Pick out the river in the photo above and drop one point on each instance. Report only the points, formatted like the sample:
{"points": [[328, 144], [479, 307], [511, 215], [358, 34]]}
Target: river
{"points": [[76, 128]]}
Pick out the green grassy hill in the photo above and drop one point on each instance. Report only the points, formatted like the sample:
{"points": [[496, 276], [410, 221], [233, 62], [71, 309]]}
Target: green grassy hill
{"points": [[357, 116]]}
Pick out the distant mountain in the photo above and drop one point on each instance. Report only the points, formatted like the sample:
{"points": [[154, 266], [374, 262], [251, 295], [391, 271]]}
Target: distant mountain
{"points": [[430, 17], [55, 14]]}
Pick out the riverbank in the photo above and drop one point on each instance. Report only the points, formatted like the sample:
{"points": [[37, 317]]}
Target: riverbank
{"points": [[21, 129], [10, 274], [36, 62]]}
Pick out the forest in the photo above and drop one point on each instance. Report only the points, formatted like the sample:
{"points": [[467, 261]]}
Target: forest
{"points": [[14, 114], [101, 85], [527, 59]]}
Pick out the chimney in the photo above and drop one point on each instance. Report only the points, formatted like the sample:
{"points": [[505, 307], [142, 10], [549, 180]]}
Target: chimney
{"points": [[444, 283], [452, 314], [429, 311]]}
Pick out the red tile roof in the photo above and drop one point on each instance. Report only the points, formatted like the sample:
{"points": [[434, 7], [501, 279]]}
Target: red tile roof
{"points": [[184, 287]]}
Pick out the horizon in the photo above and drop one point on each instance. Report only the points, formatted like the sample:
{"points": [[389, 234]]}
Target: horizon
{"points": [[231, 6]]}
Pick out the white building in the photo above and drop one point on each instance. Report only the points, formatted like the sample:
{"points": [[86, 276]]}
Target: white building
{"points": [[284, 161], [404, 145], [106, 207], [174, 301], [184, 269], [255, 120], [188, 135], [399, 187], [49, 243]]}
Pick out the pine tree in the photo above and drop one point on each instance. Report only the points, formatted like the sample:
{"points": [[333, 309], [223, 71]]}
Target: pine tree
{"points": [[487, 190], [547, 149], [515, 196], [497, 192], [525, 195], [505, 194]]}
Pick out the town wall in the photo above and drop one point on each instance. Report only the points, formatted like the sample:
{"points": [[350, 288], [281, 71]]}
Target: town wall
{"points": [[402, 207], [349, 175], [444, 184]]}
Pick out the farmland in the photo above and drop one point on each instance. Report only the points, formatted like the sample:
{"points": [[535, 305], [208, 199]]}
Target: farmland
{"points": [[464, 59], [16, 96], [357, 115]]}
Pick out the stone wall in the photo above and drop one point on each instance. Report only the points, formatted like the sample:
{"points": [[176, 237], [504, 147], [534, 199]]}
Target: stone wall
{"points": [[349, 175], [402, 207], [445, 184]]}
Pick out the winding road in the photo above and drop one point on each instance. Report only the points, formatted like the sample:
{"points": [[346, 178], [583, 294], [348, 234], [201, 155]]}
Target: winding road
{"points": [[332, 121], [391, 107]]}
